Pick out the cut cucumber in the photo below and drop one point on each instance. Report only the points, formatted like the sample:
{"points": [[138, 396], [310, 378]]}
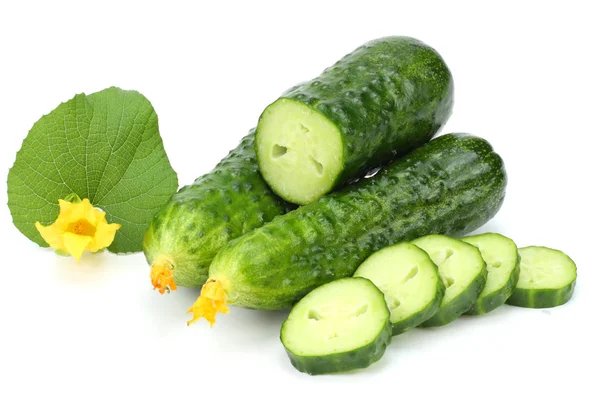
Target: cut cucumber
{"points": [[463, 272], [502, 260], [378, 102], [340, 326], [547, 278], [410, 282]]}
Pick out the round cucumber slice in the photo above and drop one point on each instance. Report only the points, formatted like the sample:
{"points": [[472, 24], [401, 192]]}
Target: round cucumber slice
{"points": [[340, 326], [547, 278], [502, 260], [410, 282], [297, 141], [463, 272]]}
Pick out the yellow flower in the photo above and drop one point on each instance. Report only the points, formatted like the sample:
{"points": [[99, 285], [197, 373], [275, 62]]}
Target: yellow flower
{"points": [[79, 227], [161, 275], [211, 301]]}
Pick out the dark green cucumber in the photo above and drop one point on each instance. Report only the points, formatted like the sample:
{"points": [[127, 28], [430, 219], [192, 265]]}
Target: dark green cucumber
{"points": [[502, 260], [547, 278], [383, 99], [451, 185], [340, 326], [202, 217], [410, 282], [463, 272]]}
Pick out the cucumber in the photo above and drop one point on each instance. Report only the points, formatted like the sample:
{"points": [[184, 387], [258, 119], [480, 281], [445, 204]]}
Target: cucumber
{"points": [[502, 260], [463, 272], [383, 99], [409, 280], [202, 217], [547, 278], [451, 185], [340, 326]]}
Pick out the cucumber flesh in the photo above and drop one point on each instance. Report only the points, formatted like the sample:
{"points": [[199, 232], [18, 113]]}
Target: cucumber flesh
{"points": [[340, 326], [410, 282], [463, 272], [547, 278], [502, 260], [300, 142]]}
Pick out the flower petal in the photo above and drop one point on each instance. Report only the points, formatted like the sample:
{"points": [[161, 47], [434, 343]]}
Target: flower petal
{"points": [[76, 244], [76, 211], [211, 301], [105, 234], [52, 234]]}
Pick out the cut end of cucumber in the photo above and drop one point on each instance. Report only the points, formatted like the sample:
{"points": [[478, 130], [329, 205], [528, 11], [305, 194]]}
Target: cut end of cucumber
{"points": [[299, 151], [338, 317]]}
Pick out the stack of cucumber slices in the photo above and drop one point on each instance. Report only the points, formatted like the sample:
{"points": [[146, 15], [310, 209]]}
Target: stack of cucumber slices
{"points": [[348, 323]]}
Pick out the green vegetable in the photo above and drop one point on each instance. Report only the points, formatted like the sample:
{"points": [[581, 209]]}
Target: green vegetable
{"points": [[409, 280], [341, 326], [547, 278], [451, 185], [105, 147], [383, 99], [202, 217], [463, 272], [502, 260]]}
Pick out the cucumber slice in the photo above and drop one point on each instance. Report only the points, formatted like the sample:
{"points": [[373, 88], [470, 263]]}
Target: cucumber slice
{"points": [[340, 326], [502, 260], [547, 278], [463, 272], [410, 282]]}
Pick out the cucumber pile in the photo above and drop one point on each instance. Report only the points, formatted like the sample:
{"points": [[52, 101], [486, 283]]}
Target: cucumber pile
{"points": [[295, 219]]}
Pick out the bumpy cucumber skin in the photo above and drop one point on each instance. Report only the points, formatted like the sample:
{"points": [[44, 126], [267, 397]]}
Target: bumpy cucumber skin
{"points": [[541, 298], [423, 315], [493, 300], [451, 186], [359, 358], [387, 97], [201, 218]]}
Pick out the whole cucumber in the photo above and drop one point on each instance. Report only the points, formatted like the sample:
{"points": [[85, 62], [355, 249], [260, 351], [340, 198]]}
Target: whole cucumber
{"points": [[200, 218], [450, 186], [380, 101]]}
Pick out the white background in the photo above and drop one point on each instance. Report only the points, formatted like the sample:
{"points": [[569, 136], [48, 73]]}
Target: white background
{"points": [[527, 79]]}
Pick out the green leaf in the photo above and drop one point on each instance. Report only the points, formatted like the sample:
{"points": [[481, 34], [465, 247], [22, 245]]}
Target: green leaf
{"points": [[105, 147]]}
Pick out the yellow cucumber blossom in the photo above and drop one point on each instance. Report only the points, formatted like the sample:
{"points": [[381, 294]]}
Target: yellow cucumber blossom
{"points": [[211, 301], [161, 275], [79, 227]]}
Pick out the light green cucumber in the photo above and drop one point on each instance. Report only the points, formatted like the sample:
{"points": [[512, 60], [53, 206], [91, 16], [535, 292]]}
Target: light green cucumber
{"points": [[463, 272], [409, 280], [547, 278], [340, 326], [385, 98], [502, 261]]}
